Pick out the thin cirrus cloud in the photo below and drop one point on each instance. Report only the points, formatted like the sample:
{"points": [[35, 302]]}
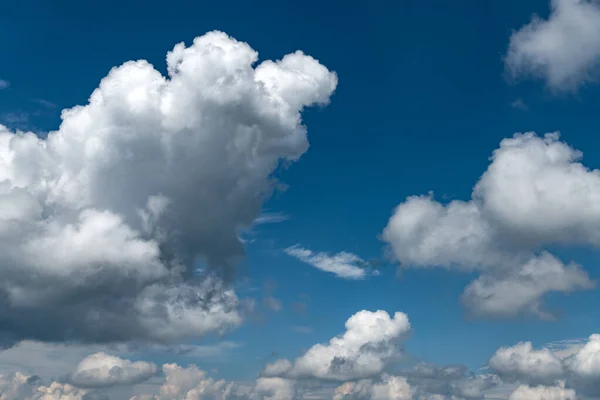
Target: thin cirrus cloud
{"points": [[563, 50], [4, 84], [534, 194], [96, 248], [343, 265]]}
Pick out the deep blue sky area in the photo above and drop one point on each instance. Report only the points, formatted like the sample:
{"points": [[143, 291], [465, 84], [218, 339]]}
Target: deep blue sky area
{"points": [[422, 101]]}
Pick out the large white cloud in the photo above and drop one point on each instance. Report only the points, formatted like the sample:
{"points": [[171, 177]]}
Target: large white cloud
{"points": [[370, 342], [102, 370], [535, 193], [564, 49], [101, 221]]}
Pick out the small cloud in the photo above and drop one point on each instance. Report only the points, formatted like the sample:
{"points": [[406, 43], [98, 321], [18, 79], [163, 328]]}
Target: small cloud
{"points": [[519, 104], [343, 265], [271, 218], [269, 301], [300, 307], [272, 303], [45, 103], [303, 329], [4, 84]]}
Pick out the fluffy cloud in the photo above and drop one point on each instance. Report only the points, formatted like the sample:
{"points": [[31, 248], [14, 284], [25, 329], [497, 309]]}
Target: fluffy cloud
{"points": [[370, 342], [343, 265], [23, 387], [101, 370], [535, 193], [579, 367], [522, 360], [545, 48], [559, 392], [390, 388], [102, 221]]}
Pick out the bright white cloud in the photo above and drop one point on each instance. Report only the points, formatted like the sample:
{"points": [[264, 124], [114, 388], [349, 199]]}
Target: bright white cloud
{"points": [[559, 392], [564, 49], [102, 220], [370, 342], [103, 370], [343, 265], [534, 193], [522, 360]]}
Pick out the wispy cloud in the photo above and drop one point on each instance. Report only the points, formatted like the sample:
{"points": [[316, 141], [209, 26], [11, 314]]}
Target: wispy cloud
{"points": [[4, 84], [303, 329], [519, 104], [343, 265], [271, 218], [45, 103]]}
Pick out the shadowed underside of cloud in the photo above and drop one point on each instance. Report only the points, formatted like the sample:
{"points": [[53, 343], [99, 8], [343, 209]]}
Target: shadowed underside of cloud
{"points": [[534, 194], [101, 222]]}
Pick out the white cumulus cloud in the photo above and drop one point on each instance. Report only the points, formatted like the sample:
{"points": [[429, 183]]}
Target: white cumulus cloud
{"points": [[558, 392], [103, 370], [102, 221], [564, 49], [370, 342], [535, 193]]}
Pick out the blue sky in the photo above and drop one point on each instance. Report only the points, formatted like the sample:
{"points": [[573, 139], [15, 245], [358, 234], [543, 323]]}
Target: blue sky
{"points": [[423, 100]]}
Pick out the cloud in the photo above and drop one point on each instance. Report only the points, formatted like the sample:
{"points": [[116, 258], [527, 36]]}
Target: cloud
{"points": [[4, 84], [103, 370], [519, 104], [103, 220], [559, 392], [579, 368], [343, 265], [390, 387], [451, 381], [274, 389], [371, 341], [269, 301], [535, 193], [271, 218], [545, 48], [522, 360]]}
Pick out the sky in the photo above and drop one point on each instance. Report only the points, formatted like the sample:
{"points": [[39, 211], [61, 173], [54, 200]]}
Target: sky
{"points": [[316, 200]]}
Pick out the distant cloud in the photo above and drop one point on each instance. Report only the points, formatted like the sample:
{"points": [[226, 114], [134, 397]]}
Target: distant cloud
{"points": [[269, 301], [519, 104], [4, 84], [303, 329], [104, 370], [563, 50], [343, 265], [45, 103], [271, 218]]}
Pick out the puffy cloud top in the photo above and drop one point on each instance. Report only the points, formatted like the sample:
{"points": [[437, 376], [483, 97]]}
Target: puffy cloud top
{"points": [[101, 370], [101, 221], [371, 340]]}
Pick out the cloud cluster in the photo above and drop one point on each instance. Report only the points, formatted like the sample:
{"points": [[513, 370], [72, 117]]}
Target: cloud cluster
{"points": [[564, 50], [343, 265], [102, 221], [579, 369], [371, 341], [535, 193]]}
